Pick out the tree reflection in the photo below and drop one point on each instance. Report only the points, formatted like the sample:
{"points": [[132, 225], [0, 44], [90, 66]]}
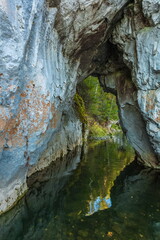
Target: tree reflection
{"points": [[103, 199]]}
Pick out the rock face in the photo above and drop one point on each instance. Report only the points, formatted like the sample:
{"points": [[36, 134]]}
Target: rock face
{"points": [[137, 82], [46, 48], [45, 186]]}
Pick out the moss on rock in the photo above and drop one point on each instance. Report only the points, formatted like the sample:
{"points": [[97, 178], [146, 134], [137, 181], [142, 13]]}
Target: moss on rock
{"points": [[80, 108]]}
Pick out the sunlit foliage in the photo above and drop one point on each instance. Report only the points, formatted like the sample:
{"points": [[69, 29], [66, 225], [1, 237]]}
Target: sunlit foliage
{"points": [[96, 107]]}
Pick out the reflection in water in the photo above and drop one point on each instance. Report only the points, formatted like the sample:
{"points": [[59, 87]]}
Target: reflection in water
{"points": [[31, 215], [103, 164], [129, 198], [99, 204]]}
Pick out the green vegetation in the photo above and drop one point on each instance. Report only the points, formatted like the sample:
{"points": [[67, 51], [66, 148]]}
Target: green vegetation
{"points": [[96, 130], [80, 107], [96, 108], [77, 215]]}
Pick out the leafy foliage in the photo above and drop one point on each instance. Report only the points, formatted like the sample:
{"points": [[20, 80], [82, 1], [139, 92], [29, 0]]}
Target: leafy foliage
{"points": [[95, 107], [99, 104]]}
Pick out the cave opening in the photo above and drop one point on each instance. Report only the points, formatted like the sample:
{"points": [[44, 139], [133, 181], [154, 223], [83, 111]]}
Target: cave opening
{"points": [[97, 108], [116, 76]]}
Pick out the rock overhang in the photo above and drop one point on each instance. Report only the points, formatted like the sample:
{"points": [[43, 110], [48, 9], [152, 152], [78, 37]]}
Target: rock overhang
{"points": [[46, 48]]}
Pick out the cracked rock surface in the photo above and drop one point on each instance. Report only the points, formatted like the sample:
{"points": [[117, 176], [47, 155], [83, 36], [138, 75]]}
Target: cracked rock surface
{"points": [[46, 48]]}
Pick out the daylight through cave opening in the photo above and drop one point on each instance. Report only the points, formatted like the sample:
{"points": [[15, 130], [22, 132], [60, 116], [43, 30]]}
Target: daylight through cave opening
{"points": [[115, 76], [97, 108]]}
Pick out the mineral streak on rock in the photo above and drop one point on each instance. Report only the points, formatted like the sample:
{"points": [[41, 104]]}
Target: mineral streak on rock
{"points": [[46, 48]]}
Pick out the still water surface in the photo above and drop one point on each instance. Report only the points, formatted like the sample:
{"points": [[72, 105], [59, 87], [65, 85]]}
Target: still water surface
{"points": [[103, 196]]}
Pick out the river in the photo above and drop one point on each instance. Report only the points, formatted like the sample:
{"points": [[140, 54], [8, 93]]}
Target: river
{"points": [[98, 192]]}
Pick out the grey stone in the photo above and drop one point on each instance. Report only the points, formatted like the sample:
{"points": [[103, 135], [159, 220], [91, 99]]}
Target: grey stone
{"points": [[151, 9], [48, 46]]}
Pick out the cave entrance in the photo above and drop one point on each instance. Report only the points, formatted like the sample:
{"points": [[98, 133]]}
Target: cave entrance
{"points": [[97, 108]]}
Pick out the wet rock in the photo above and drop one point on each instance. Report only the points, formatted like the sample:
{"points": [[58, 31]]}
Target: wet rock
{"points": [[138, 96], [46, 48], [39, 200]]}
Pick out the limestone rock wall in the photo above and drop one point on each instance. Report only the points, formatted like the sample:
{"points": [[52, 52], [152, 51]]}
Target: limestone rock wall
{"points": [[132, 73], [139, 40], [46, 48], [36, 89]]}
